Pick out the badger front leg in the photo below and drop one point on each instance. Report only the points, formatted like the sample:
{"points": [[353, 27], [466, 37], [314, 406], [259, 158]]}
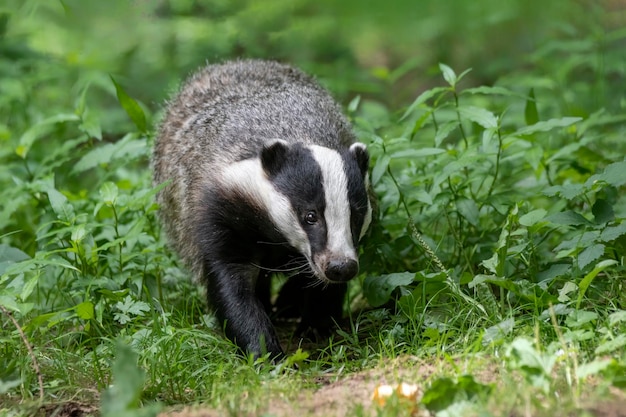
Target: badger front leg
{"points": [[232, 293]]}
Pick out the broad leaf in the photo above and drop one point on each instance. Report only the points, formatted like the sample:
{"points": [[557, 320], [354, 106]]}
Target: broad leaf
{"points": [[546, 126]]}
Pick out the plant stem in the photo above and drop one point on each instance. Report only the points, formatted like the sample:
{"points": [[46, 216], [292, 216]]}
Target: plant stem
{"points": [[31, 353]]}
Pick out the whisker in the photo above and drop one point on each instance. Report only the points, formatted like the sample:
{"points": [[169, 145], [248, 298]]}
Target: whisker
{"points": [[272, 243], [283, 269]]}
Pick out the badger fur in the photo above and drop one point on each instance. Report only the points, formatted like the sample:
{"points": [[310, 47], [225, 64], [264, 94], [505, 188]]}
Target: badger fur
{"points": [[263, 175]]}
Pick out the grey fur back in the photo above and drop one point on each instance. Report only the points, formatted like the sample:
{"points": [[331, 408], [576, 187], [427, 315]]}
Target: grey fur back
{"points": [[224, 113]]}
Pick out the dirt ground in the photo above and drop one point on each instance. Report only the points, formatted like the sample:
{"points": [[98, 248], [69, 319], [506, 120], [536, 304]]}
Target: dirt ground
{"points": [[339, 397]]}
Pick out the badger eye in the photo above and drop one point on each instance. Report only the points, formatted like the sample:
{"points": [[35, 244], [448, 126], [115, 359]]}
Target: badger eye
{"points": [[311, 217]]}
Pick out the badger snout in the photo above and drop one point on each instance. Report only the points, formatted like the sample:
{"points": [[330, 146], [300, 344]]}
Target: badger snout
{"points": [[341, 269]]}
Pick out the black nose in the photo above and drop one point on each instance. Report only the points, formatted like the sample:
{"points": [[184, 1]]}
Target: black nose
{"points": [[341, 270]]}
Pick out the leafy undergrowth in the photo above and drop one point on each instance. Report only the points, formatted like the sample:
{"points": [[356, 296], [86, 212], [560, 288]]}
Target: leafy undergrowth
{"points": [[493, 278]]}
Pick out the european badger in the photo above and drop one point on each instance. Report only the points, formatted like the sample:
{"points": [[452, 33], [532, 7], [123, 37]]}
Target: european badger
{"points": [[264, 176]]}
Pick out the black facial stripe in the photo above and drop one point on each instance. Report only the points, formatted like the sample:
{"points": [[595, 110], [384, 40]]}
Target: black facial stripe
{"points": [[300, 180]]}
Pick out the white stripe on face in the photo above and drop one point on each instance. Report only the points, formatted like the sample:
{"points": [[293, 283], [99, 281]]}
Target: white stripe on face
{"points": [[249, 178], [337, 213]]}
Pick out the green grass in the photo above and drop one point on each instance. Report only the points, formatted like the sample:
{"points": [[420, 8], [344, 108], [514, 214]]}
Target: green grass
{"points": [[493, 277]]}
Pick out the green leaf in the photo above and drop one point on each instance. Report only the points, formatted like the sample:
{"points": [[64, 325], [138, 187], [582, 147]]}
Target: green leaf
{"points": [[530, 111], [444, 131], [445, 392], [60, 205], [85, 310], [379, 169], [612, 345], [546, 126], [602, 211], [493, 91], [10, 255], [469, 210], [578, 318], [378, 289], [109, 193], [131, 107], [29, 286], [617, 317], [590, 254], [354, 104], [416, 153], [41, 129], [6, 386], [596, 367], [448, 74], [613, 232], [106, 153], [535, 366], [481, 116], [586, 281], [613, 174], [568, 218], [532, 217], [497, 332], [567, 191], [123, 397], [422, 98]]}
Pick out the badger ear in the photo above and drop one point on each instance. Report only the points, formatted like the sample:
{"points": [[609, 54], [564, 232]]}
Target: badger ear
{"points": [[273, 156], [359, 151]]}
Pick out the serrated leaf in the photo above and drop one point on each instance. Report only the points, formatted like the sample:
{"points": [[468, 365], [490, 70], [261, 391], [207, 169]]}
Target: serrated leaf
{"points": [[132, 108], [613, 232], [481, 116], [532, 217], [568, 218], [546, 126], [567, 191], [612, 174], [448, 74], [530, 111], [590, 254], [378, 289]]}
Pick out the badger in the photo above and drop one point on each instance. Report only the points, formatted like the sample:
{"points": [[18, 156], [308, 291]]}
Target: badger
{"points": [[262, 175]]}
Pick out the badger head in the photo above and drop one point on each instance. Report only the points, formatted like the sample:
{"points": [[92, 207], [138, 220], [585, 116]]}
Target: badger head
{"points": [[319, 203]]}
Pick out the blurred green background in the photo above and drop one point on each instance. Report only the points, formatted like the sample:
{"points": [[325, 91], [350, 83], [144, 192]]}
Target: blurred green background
{"points": [[384, 50]]}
